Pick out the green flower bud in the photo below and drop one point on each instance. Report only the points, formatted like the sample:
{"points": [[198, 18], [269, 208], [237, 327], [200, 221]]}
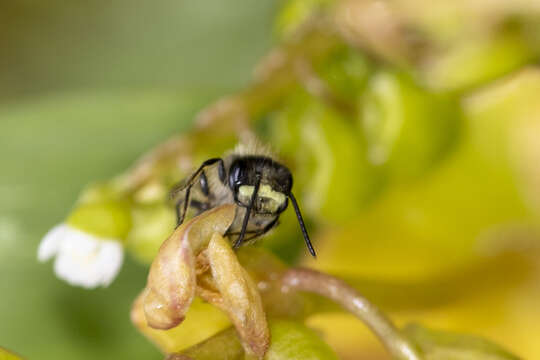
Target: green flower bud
{"points": [[102, 192], [407, 128], [152, 224], [345, 72], [105, 219], [343, 181], [332, 168]]}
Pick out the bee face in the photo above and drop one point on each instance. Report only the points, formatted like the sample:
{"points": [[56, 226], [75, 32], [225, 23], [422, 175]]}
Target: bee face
{"points": [[275, 183], [257, 183]]}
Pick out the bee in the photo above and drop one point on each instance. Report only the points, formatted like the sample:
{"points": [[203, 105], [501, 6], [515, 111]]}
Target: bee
{"points": [[252, 179]]}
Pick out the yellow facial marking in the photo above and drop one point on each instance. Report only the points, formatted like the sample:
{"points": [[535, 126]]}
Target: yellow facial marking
{"points": [[268, 192], [246, 191], [265, 191]]}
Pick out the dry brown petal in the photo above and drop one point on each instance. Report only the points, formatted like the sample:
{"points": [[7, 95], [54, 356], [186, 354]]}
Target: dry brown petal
{"points": [[241, 299], [206, 290], [161, 339], [171, 282], [202, 264]]}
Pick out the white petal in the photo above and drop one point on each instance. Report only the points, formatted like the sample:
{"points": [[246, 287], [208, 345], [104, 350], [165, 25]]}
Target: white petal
{"points": [[75, 258], [86, 260], [69, 270], [109, 261], [50, 243]]}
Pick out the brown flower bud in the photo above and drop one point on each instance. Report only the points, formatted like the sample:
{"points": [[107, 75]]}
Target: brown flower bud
{"points": [[171, 282], [241, 299]]}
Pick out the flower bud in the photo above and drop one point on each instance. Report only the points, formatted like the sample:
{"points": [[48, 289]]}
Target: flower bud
{"points": [[408, 129], [88, 246], [106, 219], [172, 279], [241, 299], [152, 223]]}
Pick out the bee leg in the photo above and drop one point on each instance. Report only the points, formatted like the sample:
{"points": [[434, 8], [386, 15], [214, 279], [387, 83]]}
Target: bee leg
{"points": [[263, 231], [181, 214], [184, 185], [188, 184], [197, 205]]}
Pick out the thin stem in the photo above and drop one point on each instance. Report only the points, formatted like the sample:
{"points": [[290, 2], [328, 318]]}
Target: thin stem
{"points": [[338, 291]]}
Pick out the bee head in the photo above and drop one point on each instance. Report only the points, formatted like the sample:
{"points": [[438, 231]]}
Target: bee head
{"points": [[263, 185], [274, 183]]}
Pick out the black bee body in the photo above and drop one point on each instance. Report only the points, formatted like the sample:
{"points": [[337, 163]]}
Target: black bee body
{"points": [[257, 184]]}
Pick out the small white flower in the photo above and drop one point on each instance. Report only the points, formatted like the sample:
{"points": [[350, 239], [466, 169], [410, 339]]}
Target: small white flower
{"points": [[82, 259]]}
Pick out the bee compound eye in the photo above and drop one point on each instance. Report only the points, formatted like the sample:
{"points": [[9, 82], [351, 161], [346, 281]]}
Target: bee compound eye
{"points": [[204, 184], [235, 175]]}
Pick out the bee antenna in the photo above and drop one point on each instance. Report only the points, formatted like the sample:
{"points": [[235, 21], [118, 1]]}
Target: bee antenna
{"points": [[240, 239], [302, 225]]}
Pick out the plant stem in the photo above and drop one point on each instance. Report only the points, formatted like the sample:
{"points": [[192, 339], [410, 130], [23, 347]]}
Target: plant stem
{"points": [[338, 291]]}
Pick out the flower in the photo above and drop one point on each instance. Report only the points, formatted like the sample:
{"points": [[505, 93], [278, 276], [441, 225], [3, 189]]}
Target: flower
{"points": [[197, 261], [89, 245], [82, 259]]}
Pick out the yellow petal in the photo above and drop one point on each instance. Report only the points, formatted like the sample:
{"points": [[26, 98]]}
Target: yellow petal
{"points": [[202, 322], [6, 355], [240, 297]]}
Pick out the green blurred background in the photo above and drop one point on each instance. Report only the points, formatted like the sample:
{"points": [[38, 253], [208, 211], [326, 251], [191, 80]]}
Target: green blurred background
{"points": [[85, 88]]}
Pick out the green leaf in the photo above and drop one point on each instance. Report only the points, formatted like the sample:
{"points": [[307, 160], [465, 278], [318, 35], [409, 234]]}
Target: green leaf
{"points": [[442, 345], [290, 341], [224, 345], [294, 341]]}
